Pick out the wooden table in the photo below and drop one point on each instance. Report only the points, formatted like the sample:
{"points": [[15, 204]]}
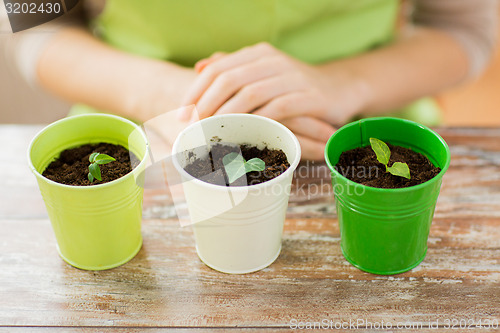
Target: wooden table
{"points": [[166, 285]]}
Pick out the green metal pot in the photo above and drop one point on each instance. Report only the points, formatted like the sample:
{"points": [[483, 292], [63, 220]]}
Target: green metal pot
{"points": [[385, 231], [97, 227]]}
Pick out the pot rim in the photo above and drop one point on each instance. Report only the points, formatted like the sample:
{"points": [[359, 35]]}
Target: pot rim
{"points": [[291, 169], [436, 178], [61, 122]]}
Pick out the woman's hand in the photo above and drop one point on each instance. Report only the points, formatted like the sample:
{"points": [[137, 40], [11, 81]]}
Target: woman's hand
{"points": [[265, 81]]}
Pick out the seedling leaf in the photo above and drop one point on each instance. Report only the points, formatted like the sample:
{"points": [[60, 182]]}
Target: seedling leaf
{"points": [[381, 150], [95, 171], [92, 157], [231, 157], [95, 159], [255, 164], [400, 169], [384, 154], [103, 159], [236, 166]]}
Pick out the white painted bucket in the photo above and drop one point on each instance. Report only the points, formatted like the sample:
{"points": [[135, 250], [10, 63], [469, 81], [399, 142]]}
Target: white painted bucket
{"points": [[237, 229]]}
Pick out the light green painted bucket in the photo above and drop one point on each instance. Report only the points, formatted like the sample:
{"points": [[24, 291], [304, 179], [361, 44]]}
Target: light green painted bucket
{"points": [[97, 227], [385, 231]]}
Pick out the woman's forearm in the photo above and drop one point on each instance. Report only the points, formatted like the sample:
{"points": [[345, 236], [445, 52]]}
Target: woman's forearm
{"points": [[423, 63], [81, 69]]}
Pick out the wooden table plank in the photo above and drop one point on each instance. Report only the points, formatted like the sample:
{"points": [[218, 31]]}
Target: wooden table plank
{"points": [[167, 286], [309, 280]]}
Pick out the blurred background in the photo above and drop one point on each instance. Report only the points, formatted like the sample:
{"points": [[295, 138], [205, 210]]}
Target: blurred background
{"points": [[476, 103]]}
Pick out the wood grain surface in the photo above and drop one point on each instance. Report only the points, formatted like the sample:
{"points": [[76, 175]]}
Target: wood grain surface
{"points": [[167, 286]]}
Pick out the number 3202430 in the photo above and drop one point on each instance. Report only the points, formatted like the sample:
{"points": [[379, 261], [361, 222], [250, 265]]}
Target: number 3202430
{"points": [[32, 8]]}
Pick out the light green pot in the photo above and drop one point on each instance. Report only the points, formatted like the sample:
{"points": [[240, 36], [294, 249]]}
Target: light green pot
{"points": [[97, 227], [385, 231]]}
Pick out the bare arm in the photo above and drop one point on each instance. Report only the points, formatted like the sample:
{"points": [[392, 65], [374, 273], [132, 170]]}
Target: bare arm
{"points": [[451, 41], [421, 63], [80, 68]]}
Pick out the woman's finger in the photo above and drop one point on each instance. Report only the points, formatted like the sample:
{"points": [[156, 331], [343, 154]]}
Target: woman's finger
{"points": [[296, 104], [185, 114], [237, 82], [212, 70], [311, 149], [253, 95], [312, 128], [200, 65]]}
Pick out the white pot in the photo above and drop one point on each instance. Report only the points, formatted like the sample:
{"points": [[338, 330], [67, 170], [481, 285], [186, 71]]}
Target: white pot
{"points": [[237, 229]]}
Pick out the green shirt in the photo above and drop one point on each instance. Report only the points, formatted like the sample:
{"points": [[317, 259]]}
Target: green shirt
{"points": [[314, 31], [185, 31]]}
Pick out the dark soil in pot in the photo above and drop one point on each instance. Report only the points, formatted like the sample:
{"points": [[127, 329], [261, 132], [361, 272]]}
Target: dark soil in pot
{"points": [[361, 166], [72, 166], [211, 168]]}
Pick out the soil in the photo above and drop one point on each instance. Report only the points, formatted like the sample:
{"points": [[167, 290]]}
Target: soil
{"points": [[72, 166], [211, 168], [361, 166]]}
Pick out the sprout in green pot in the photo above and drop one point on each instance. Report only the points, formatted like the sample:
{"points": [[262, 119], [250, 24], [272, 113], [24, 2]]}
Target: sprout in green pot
{"points": [[384, 154], [95, 160]]}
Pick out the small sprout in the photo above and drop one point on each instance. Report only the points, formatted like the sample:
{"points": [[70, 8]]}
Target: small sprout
{"points": [[236, 166], [384, 154], [95, 159]]}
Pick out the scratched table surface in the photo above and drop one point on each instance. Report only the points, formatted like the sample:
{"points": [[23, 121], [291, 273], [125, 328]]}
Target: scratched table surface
{"points": [[166, 286]]}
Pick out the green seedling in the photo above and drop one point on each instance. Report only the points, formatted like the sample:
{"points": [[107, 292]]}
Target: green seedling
{"points": [[95, 160], [384, 154], [236, 166]]}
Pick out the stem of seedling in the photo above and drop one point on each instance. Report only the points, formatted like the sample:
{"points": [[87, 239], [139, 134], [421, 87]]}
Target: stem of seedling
{"points": [[95, 160]]}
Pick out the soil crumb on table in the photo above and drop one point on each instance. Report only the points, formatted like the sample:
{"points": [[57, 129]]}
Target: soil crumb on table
{"points": [[211, 168], [361, 166], [72, 166]]}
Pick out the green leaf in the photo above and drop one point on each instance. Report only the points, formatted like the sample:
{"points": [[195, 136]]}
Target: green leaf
{"points": [[400, 169], [233, 157], [255, 164], [92, 157], [91, 178], [95, 171], [104, 159], [234, 164], [381, 150]]}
